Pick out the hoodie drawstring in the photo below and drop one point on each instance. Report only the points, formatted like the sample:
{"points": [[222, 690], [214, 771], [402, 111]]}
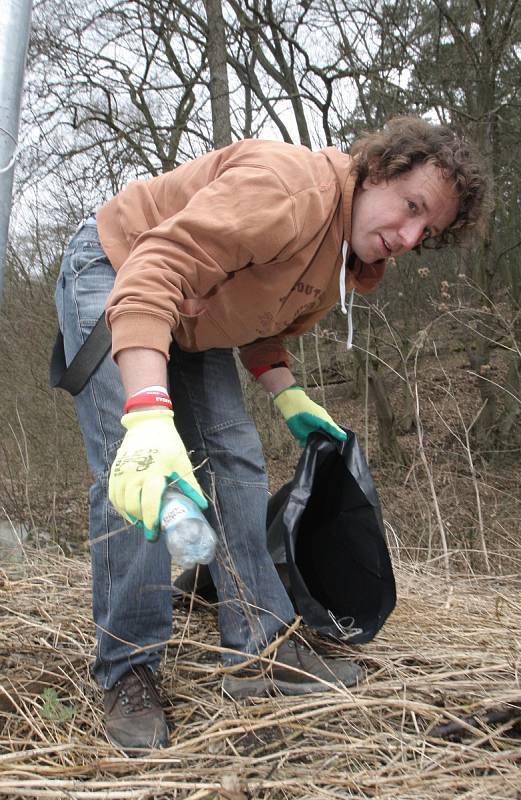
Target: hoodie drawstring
{"points": [[349, 309]]}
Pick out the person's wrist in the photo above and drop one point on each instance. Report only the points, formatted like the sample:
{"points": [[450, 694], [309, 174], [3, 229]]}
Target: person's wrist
{"points": [[151, 397], [287, 389], [276, 380]]}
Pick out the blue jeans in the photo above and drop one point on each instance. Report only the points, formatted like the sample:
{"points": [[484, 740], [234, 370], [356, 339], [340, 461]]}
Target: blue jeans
{"points": [[132, 577]]}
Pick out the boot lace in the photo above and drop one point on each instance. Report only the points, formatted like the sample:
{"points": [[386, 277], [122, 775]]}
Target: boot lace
{"points": [[133, 694]]}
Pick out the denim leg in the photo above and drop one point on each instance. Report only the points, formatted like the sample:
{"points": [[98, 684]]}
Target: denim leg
{"points": [[131, 579], [213, 423]]}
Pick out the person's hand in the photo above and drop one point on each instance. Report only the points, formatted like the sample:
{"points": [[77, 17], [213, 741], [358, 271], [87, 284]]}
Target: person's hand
{"points": [[303, 416], [151, 455]]}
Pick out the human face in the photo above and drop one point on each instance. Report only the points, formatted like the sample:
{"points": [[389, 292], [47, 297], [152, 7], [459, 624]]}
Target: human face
{"points": [[392, 217]]}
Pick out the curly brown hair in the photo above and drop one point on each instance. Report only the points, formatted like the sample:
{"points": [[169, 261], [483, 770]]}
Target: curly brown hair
{"points": [[406, 142]]}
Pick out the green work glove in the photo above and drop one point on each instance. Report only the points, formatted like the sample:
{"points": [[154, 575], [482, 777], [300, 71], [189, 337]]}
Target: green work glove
{"points": [[303, 416], [151, 455]]}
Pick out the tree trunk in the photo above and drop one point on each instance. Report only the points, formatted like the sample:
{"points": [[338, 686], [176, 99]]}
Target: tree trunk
{"points": [[485, 432], [217, 62], [387, 428]]}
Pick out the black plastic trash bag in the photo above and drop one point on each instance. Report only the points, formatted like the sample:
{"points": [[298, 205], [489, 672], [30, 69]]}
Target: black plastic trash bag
{"points": [[326, 525], [326, 537]]}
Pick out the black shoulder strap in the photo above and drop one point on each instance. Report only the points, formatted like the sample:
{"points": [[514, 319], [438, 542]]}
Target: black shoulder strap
{"points": [[73, 378]]}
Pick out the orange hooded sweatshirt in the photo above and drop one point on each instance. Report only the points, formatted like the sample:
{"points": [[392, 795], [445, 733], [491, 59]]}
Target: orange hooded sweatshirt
{"points": [[239, 247]]}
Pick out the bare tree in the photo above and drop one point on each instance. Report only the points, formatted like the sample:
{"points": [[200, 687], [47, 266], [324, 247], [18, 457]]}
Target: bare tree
{"points": [[120, 85]]}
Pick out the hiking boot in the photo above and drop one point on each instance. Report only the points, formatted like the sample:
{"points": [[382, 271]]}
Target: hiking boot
{"points": [[134, 718], [310, 670]]}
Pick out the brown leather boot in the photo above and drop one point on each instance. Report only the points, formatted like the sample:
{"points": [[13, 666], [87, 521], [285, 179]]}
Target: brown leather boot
{"points": [[295, 669], [134, 717]]}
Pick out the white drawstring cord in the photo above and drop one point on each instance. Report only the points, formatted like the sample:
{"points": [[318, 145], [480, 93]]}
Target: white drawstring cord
{"points": [[345, 250], [349, 309]]}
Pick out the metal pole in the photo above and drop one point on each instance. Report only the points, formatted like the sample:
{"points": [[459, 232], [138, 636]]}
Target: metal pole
{"points": [[15, 23]]}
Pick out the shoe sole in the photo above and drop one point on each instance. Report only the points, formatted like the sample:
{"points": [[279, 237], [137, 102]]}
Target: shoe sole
{"points": [[262, 686], [138, 751]]}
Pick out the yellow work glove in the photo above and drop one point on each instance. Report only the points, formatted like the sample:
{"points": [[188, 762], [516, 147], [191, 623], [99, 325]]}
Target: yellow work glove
{"points": [[303, 416], [151, 456]]}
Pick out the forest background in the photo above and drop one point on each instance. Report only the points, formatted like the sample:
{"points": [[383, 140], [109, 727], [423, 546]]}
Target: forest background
{"points": [[124, 89]]}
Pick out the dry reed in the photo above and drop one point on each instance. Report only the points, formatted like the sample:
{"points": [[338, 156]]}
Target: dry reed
{"points": [[448, 655]]}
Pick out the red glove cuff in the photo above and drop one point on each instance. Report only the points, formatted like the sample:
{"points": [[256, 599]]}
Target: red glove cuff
{"points": [[141, 399], [258, 371]]}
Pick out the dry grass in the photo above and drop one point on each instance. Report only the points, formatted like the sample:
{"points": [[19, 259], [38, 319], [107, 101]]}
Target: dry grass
{"points": [[449, 651]]}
